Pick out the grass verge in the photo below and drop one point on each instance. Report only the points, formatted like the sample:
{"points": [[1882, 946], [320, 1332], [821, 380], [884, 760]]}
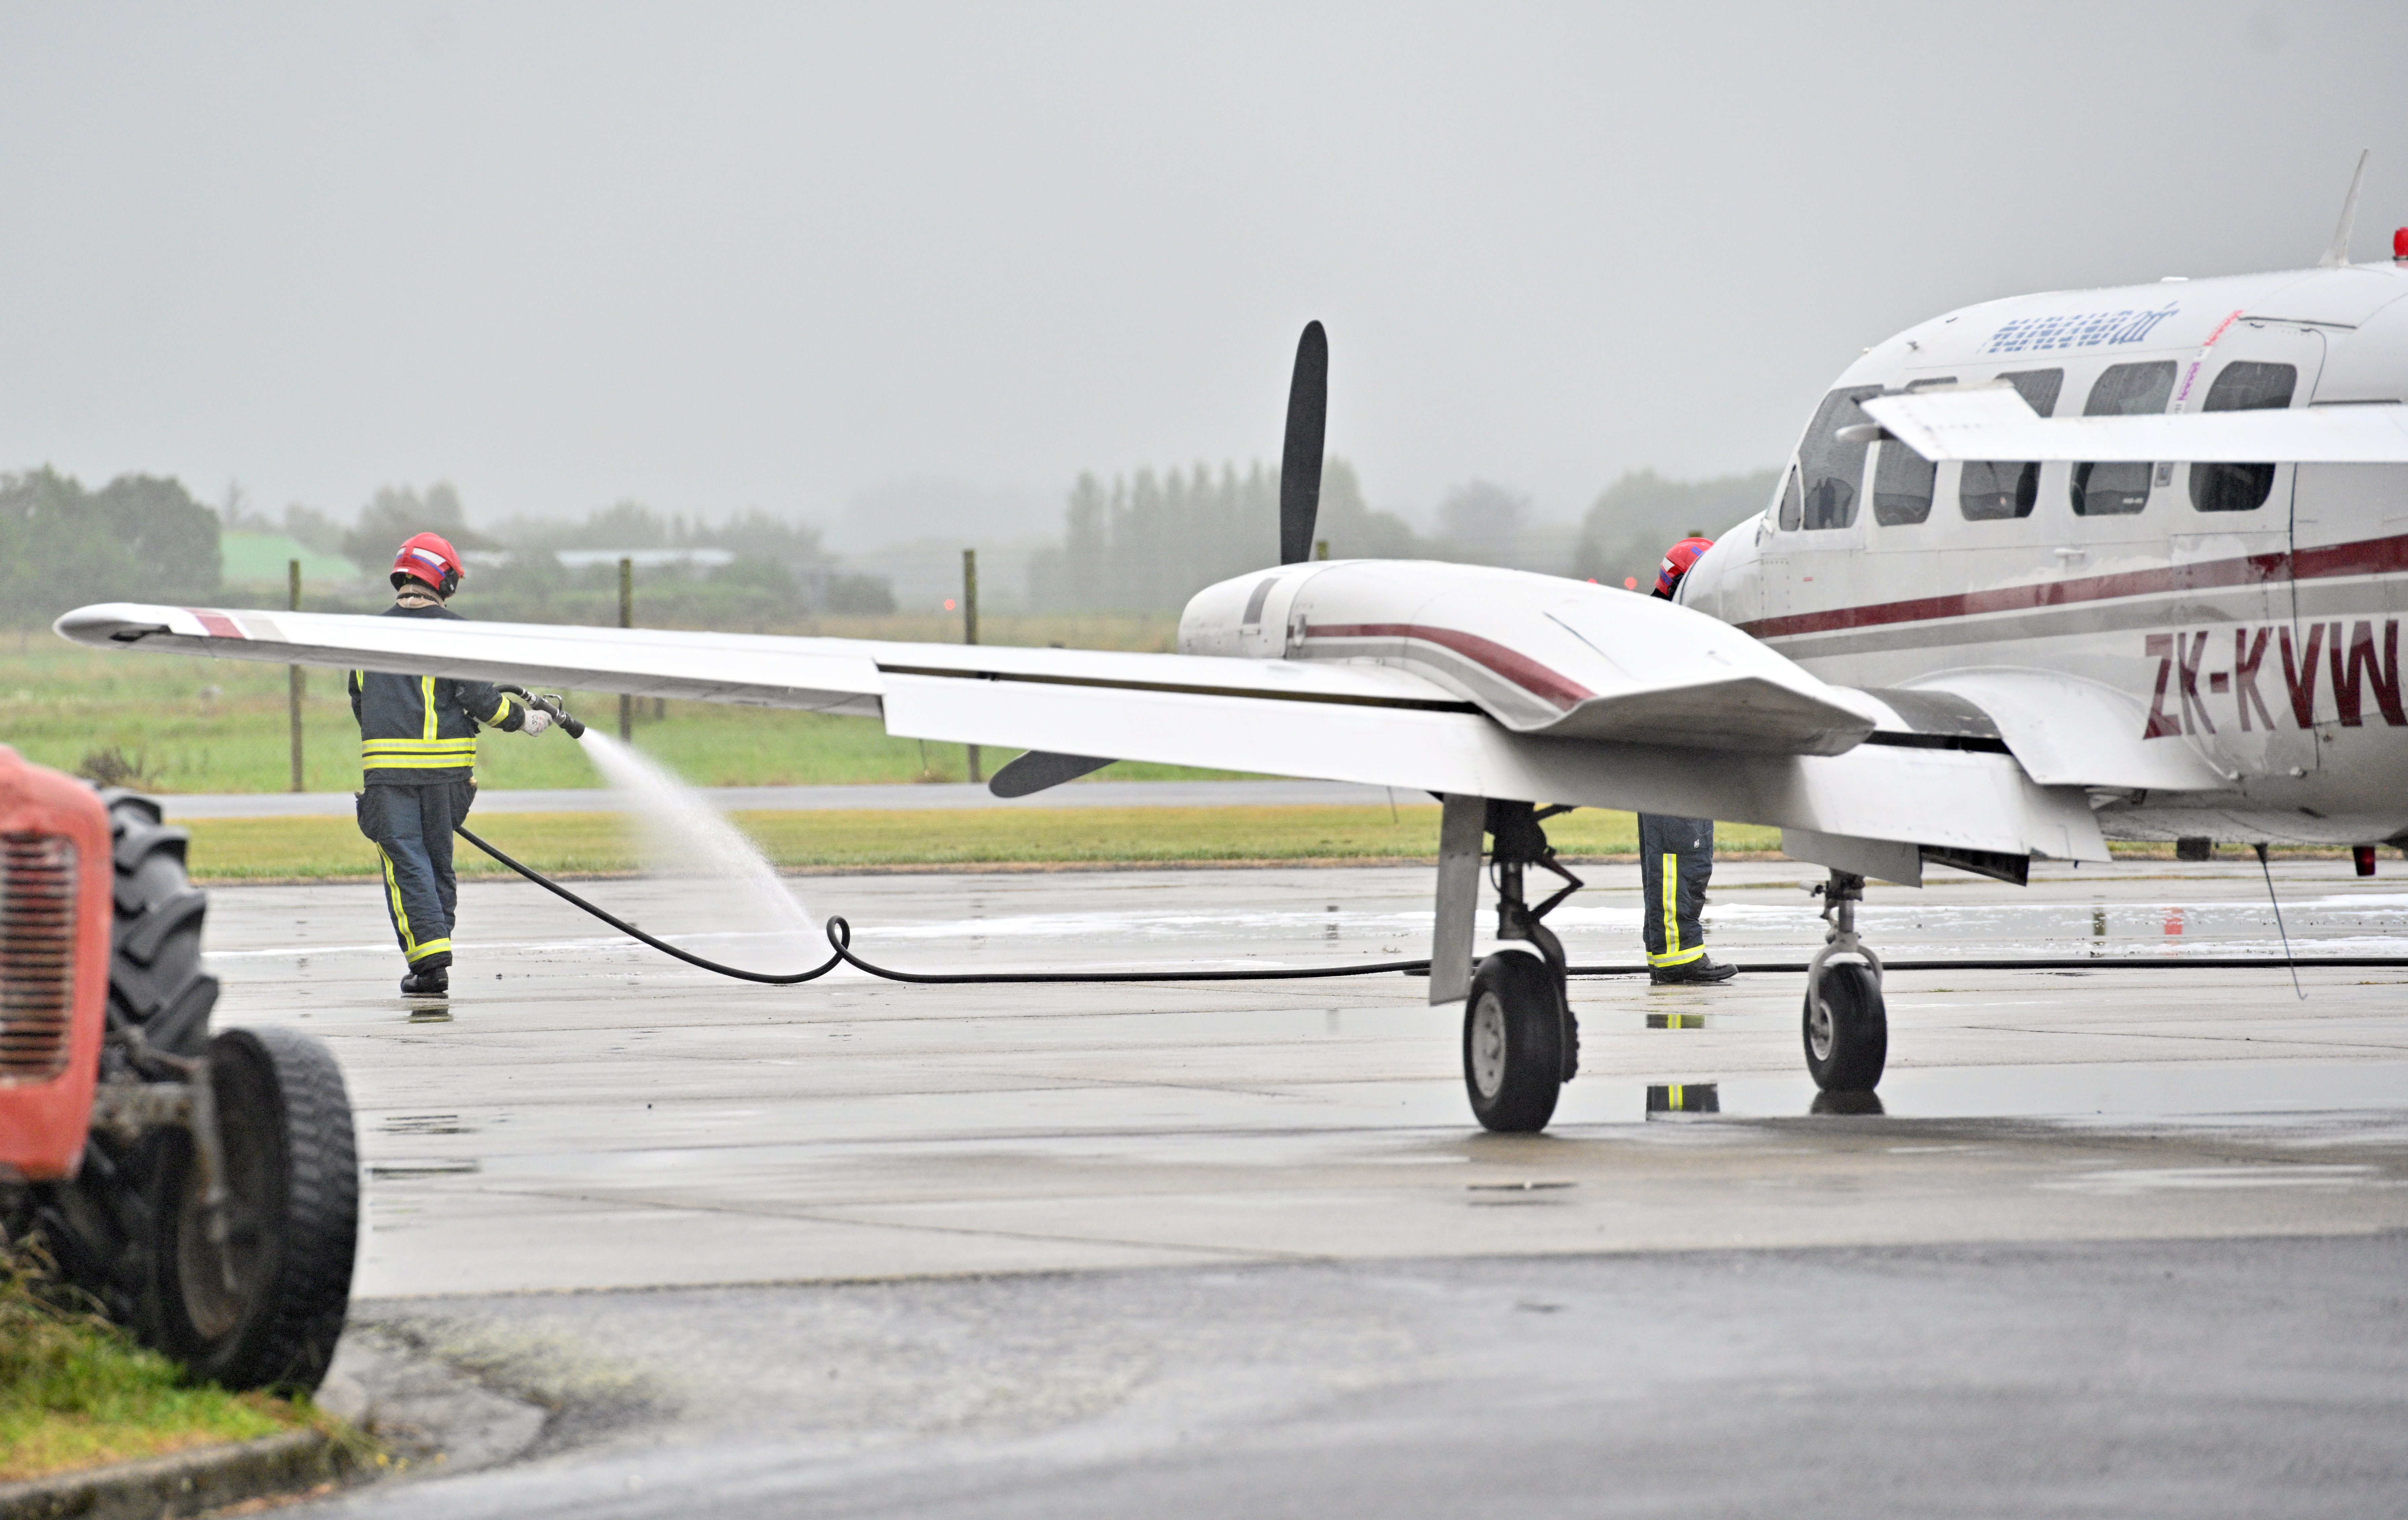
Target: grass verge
{"points": [[275, 848], [76, 1391]]}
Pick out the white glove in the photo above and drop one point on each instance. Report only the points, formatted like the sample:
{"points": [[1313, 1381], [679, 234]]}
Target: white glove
{"points": [[538, 720]]}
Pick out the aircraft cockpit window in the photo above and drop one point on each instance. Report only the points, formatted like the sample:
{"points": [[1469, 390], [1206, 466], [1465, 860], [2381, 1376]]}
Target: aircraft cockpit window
{"points": [[2244, 386], [1832, 467], [2142, 390], [1901, 486], [1994, 489], [1789, 503]]}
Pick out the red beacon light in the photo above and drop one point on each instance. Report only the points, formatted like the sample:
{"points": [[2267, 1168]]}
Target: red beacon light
{"points": [[2399, 245]]}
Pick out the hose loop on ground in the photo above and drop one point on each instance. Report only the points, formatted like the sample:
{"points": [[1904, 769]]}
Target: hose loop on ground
{"points": [[840, 937]]}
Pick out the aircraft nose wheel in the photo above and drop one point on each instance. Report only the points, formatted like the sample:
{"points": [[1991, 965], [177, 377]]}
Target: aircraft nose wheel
{"points": [[1513, 1043], [1847, 1029], [1846, 1024]]}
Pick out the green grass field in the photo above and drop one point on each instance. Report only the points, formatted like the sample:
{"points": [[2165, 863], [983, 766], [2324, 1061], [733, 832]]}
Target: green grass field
{"points": [[189, 723]]}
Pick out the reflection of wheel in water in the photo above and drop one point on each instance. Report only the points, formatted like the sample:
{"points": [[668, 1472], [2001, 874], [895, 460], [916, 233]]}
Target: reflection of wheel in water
{"points": [[1513, 1043], [264, 1308], [1847, 1032]]}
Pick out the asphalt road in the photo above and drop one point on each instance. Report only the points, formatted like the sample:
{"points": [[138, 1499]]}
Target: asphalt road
{"points": [[2125, 1241]]}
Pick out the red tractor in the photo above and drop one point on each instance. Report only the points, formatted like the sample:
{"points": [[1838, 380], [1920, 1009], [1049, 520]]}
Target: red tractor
{"points": [[203, 1188]]}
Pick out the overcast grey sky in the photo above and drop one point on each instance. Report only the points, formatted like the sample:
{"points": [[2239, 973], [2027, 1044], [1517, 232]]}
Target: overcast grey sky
{"points": [[714, 256]]}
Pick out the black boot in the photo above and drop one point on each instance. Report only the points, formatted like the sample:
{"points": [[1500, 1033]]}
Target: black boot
{"points": [[1705, 968], [427, 982]]}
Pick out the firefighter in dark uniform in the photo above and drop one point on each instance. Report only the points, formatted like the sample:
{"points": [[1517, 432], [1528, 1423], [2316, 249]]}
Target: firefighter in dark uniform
{"points": [[418, 751], [1676, 856]]}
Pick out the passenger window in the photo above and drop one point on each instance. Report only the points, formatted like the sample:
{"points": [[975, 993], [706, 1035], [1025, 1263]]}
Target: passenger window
{"points": [[2113, 490], [1990, 490], [1831, 468], [1789, 501], [1901, 486], [2244, 386]]}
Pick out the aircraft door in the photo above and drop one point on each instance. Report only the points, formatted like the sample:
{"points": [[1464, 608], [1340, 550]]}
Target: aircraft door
{"points": [[2229, 551], [1820, 518]]}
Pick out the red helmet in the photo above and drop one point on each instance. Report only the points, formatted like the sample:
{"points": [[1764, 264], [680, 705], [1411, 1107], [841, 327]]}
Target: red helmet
{"points": [[430, 559], [1677, 561]]}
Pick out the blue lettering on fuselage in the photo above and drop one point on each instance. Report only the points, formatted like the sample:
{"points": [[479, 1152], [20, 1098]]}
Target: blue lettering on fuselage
{"points": [[2079, 330]]}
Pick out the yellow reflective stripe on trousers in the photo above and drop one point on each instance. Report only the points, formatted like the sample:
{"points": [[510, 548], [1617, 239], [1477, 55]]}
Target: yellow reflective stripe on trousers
{"points": [[1673, 955], [410, 948]]}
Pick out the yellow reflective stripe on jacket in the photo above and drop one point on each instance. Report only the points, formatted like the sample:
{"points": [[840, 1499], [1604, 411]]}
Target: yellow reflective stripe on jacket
{"points": [[426, 696], [417, 753], [501, 710]]}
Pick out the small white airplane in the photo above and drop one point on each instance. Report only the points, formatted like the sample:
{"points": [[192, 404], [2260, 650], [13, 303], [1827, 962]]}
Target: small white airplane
{"points": [[2123, 564]]}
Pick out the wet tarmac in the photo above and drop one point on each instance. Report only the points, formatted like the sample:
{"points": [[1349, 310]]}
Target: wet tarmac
{"points": [[2124, 1238]]}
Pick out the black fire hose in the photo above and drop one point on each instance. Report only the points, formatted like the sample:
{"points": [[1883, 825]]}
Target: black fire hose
{"points": [[840, 934]]}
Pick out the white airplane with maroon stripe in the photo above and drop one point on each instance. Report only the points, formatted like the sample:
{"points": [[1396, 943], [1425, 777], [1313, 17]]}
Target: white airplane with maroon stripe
{"points": [[2116, 563]]}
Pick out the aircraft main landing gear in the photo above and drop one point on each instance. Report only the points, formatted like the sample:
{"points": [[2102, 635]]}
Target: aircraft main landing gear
{"points": [[1520, 1041], [1846, 1023]]}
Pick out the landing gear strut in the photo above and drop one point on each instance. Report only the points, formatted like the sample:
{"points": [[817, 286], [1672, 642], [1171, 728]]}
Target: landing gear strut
{"points": [[1846, 1023], [1520, 1041]]}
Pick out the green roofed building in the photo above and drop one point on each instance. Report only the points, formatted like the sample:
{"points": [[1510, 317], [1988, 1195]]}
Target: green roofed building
{"points": [[256, 559]]}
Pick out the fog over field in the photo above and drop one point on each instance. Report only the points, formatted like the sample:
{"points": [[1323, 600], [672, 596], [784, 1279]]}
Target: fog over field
{"points": [[905, 272]]}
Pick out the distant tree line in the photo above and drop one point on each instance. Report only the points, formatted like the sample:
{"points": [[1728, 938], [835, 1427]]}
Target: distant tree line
{"points": [[1638, 516], [1148, 542], [779, 572], [137, 538]]}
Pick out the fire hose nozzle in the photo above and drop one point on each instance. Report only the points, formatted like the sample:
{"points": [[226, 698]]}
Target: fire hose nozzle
{"points": [[560, 714], [551, 702]]}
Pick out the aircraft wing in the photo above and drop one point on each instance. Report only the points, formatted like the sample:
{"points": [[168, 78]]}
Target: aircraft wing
{"points": [[817, 675], [1357, 723], [1995, 422]]}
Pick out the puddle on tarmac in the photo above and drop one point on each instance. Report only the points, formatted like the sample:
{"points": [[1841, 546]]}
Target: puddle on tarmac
{"points": [[2119, 1090], [1673, 1100]]}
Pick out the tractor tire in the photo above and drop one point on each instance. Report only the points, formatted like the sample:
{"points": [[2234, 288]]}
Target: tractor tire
{"points": [[1846, 1052], [155, 980], [265, 1310], [99, 1228], [1513, 1044]]}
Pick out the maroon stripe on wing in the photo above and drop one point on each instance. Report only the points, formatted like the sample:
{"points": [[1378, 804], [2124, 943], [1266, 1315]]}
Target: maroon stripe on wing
{"points": [[1517, 667]]}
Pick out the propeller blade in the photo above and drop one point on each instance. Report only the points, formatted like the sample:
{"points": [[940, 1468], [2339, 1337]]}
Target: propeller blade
{"points": [[1308, 413]]}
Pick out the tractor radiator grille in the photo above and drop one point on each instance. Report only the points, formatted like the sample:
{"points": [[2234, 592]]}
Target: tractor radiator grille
{"points": [[37, 955]]}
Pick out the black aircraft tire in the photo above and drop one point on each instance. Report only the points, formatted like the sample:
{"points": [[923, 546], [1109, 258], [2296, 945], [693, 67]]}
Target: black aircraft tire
{"points": [[1513, 1044], [293, 1180], [1848, 1055]]}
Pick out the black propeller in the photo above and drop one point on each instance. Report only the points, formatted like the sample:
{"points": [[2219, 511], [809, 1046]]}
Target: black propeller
{"points": [[1308, 411]]}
